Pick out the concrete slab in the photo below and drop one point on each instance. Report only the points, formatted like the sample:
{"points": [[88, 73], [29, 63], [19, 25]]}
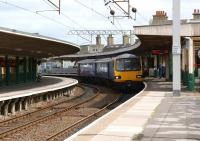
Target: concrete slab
{"points": [[129, 122], [179, 121], [153, 115]]}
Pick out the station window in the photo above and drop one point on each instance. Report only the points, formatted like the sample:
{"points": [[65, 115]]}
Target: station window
{"points": [[197, 56], [2, 70], [197, 60]]}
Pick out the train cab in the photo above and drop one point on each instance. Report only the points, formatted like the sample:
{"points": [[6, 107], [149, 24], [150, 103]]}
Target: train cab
{"points": [[128, 69]]}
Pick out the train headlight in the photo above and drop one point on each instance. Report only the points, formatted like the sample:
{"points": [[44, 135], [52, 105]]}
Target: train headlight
{"points": [[138, 76], [117, 77]]}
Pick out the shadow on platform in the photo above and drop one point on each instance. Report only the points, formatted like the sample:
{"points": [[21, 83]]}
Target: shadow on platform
{"points": [[157, 84], [45, 81]]}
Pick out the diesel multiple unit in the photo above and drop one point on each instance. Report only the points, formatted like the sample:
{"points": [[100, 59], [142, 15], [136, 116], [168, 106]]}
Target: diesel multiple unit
{"points": [[123, 69]]}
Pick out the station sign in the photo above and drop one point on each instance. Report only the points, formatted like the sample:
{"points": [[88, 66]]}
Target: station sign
{"points": [[157, 52], [12, 63], [176, 50]]}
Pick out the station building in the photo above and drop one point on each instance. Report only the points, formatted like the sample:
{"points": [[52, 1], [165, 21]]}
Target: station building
{"points": [[21, 52], [156, 47]]}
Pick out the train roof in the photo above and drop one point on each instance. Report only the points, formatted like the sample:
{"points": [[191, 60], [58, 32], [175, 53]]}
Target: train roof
{"points": [[86, 61], [126, 55], [104, 60]]}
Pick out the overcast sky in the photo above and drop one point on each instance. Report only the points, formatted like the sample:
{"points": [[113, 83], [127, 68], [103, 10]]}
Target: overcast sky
{"points": [[80, 14]]}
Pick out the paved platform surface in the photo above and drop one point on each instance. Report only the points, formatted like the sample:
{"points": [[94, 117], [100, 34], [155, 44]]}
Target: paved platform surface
{"points": [[46, 84], [153, 115], [175, 119]]}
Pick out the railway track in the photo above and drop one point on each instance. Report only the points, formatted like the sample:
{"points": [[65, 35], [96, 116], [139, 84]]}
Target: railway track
{"points": [[17, 118], [40, 119], [71, 128]]}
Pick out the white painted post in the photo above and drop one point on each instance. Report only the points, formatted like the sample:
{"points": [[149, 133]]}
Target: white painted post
{"points": [[131, 37], [190, 56], [183, 59], [176, 49]]}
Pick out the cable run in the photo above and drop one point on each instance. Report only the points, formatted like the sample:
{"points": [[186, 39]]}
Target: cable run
{"points": [[46, 17], [33, 12], [49, 4], [98, 13], [143, 17]]}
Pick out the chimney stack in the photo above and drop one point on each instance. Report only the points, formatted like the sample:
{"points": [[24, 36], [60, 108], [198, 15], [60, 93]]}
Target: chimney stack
{"points": [[160, 17], [110, 40], [98, 40], [196, 14], [125, 39]]}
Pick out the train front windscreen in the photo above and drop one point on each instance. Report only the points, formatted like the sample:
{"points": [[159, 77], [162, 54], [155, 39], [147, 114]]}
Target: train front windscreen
{"points": [[128, 64]]}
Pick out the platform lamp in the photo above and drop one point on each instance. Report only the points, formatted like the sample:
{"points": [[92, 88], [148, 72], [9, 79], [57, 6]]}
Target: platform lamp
{"points": [[134, 10], [112, 12], [126, 10]]}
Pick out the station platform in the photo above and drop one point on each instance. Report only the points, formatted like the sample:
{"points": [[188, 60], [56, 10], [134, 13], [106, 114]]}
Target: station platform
{"points": [[46, 84], [19, 97], [153, 114]]}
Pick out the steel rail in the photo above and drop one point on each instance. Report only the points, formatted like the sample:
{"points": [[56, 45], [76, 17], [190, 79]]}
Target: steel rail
{"points": [[46, 118], [70, 128], [5, 122]]}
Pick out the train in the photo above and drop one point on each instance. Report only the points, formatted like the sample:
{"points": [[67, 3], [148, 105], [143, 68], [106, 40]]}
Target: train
{"points": [[124, 70]]}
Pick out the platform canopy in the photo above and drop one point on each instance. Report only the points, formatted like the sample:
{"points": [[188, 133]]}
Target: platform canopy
{"points": [[107, 52], [19, 43], [153, 42]]}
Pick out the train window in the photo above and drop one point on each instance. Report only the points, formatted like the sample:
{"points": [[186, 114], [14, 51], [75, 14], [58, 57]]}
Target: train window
{"points": [[128, 64], [102, 67], [120, 65], [136, 65]]}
